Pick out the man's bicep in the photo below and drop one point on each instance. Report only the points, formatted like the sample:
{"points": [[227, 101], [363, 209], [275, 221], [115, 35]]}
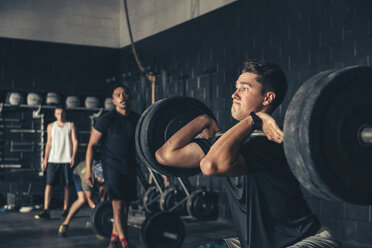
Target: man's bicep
{"points": [[188, 156], [73, 132], [49, 134], [95, 137]]}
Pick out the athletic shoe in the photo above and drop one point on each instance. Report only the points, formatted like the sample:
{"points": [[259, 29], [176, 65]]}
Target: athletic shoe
{"points": [[62, 231], [43, 215], [64, 213], [114, 244], [126, 244]]}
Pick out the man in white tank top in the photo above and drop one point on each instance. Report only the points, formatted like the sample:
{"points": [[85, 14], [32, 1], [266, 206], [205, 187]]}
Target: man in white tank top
{"points": [[60, 151]]}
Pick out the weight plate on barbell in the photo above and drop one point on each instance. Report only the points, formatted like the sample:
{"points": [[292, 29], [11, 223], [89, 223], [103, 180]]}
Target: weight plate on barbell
{"points": [[163, 230], [172, 196], [102, 219], [164, 119], [138, 134], [151, 199], [203, 205], [321, 134]]}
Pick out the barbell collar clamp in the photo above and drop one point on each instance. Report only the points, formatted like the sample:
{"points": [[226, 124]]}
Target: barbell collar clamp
{"points": [[169, 235], [365, 134]]}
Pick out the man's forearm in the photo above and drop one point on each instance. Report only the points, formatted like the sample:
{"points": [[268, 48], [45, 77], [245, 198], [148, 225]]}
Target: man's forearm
{"points": [[225, 152], [47, 152], [186, 134], [89, 157], [75, 146]]}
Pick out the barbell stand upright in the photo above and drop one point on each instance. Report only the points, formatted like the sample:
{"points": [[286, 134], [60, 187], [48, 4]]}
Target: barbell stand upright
{"points": [[155, 180], [183, 186]]}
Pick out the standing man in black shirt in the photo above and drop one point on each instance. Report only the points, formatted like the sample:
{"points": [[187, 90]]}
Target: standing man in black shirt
{"points": [[267, 204], [116, 130]]}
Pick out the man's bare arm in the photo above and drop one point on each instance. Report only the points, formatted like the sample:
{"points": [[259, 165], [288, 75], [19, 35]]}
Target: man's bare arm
{"points": [[48, 146], [75, 144], [224, 158], [94, 139], [179, 150]]}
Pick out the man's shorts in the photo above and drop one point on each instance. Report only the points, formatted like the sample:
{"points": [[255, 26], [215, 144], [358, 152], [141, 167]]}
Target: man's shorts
{"points": [[119, 185], [80, 184], [58, 173]]}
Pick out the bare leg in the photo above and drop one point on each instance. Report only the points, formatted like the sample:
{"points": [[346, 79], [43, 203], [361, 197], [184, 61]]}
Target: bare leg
{"points": [[119, 221], [65, 202], [47, 196], [102, 193], [125, 219], [75, 207], [114, 229], [88, 197]]}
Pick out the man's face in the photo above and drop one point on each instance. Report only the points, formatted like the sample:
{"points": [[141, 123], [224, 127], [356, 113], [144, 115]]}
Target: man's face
{"points": [[59, 114], [247, 97], [120, 98]]}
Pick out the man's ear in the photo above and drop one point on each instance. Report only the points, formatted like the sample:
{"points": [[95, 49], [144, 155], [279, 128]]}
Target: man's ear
{"points": [[269, 98]]}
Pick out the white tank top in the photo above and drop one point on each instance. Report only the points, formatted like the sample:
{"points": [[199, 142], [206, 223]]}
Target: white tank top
{"points": [[61, 150]]}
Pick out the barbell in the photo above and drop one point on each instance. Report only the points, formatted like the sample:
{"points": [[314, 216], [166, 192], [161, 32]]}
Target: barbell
{"points": [[327, 133], [102, 218], [203, 204], [160, 229]]}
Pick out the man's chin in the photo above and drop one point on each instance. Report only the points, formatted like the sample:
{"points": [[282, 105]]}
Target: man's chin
{"points": [[124, 107], [233, 113]]}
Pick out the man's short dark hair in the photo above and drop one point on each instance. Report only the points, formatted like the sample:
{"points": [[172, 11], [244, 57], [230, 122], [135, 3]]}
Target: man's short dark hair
{"points": [[60, 106], [270, 76], [121, 86]]}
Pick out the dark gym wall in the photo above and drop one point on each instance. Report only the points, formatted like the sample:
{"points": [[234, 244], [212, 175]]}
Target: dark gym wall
{"points": [[32, 66], [44, 66], [202, 58]]}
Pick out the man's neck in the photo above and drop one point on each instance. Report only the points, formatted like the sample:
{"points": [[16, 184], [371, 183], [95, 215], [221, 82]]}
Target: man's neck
{"points": [[124, 112], [61, 123]]}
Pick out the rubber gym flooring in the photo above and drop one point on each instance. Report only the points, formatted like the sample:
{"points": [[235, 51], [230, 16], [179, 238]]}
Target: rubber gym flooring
{"points": [[22, 230]]}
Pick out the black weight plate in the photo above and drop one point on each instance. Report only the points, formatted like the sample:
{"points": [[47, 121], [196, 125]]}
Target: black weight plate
{"points": [[350, 160], [164, 119], [203, 205], [172, 196], [293, 127], [163, 230], [138, 134], [101, 219], [320, 135], [151, 199]]}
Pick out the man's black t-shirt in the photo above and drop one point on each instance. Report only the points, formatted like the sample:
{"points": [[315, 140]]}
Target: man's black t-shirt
{"points": [[118, 140], [267, 204]]}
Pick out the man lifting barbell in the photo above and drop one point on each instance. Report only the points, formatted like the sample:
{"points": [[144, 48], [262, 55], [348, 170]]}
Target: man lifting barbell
{"points": [[271, 211]]}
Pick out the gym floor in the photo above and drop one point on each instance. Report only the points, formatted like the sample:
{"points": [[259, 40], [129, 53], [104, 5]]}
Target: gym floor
{"points": [[22, 230]]}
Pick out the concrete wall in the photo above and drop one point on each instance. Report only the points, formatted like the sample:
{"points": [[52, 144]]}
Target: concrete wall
{"points": [[96, 22], [85, 22], [148, 18]]}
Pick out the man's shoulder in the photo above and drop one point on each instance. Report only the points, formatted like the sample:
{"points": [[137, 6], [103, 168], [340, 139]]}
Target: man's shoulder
{"points": [[50, 125], [135, 115], [104, 121], [106, 116], [262, 146]]}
